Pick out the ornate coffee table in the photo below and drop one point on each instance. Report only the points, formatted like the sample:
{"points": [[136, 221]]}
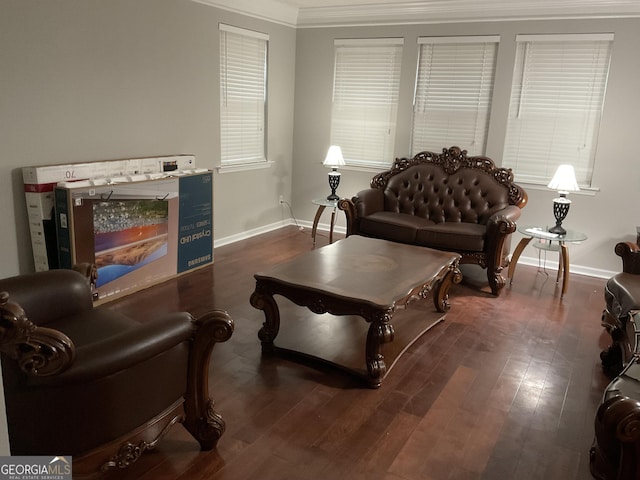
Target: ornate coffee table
{"points": [[365, 277]]}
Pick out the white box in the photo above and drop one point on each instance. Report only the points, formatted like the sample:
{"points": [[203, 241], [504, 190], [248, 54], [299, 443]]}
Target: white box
{"points": [[40, 181]]}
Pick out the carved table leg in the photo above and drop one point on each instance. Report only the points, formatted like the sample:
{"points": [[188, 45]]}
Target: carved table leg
{"points": [[316, 219], [380, 332], [516, 255], [564, 266], [271, 326], [441, 290]]}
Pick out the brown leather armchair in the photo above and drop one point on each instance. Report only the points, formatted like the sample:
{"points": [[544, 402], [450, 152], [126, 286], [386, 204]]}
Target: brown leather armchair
{"points": [[615, 454], [622, 297], [96, 384]]}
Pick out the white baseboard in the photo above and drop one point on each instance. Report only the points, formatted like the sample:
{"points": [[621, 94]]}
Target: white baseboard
{"points": [[531, 261], [577, 269], [271, 227], [251, 233]]}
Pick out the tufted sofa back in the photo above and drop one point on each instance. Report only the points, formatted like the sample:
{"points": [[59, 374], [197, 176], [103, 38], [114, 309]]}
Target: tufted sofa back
{"points": [[448, 187], [426, 190]]}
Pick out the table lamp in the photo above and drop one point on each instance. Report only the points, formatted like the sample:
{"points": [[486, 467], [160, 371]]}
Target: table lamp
{"points": [[564, 181], [334, 160]]}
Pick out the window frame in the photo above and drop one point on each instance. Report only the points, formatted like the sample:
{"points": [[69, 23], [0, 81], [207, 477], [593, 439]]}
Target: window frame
{"points": [[359, 151], [458, 71], [522, 152], [237, 150]]}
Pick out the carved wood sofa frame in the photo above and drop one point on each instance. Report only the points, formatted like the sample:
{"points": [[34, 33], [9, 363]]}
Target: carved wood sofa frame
{"points": [[469, 171]]}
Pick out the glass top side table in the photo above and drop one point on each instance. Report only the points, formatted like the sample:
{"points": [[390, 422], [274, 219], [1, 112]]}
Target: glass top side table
{"points": [[322, 204], [531, 232]]}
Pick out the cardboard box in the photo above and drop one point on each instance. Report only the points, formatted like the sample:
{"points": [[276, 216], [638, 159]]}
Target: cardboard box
{"points": [[40, 181], [138, 232]]}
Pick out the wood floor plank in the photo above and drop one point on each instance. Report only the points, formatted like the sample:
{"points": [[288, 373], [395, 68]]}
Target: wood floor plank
{"points": [[504, 388]]}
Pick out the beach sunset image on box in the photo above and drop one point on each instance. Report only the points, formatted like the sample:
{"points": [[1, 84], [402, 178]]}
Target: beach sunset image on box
{"points": [[128, 234]]}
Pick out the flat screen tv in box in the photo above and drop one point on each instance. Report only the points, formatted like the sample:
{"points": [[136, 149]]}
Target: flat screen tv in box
{"points": [[137, 233], [40, 182]]}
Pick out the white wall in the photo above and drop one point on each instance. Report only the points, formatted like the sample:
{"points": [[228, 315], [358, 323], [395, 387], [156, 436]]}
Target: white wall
{"points": [[101, 79], [85, 80], [607, 216]]}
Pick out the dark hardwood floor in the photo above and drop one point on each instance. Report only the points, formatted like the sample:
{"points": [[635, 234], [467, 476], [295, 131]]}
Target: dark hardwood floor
{"points": [[504, 388]]}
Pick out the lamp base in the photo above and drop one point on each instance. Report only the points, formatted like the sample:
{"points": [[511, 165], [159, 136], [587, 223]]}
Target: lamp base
{"points": [[334, 181], [560, 209], [558, 230]]}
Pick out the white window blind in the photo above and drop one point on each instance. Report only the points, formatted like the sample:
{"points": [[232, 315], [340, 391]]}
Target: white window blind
{"points": [[453, 93], [243, 93], [365, 99], [557, 97]]}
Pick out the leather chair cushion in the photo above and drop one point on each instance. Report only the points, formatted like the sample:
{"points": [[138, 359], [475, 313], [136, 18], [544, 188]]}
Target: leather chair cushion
{"points": [[622, 294], [104, 324], [457, 236], [98, 355], [396, 227], [106, 408]]}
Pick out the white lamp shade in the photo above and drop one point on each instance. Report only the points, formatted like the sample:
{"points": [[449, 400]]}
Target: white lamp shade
{"points": [[564, 179], [334, 157]]}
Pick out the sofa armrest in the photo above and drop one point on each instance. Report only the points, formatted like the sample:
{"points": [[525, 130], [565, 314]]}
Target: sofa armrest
{"points": [[368, 201], [349, 209], [500, 226], [359, 206], [630, 254], [505, 219]]}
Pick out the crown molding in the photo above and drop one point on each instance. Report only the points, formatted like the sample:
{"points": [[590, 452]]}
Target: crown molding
{"points": [[449, 11], [270, 10], [428, 11]]}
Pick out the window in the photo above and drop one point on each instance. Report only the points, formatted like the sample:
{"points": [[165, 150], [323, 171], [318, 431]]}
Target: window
{"points": [[365, 99], [453, 93], [243, 93], [556, 102]]}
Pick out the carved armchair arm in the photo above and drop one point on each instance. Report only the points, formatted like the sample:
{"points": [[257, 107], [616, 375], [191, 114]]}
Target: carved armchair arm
{"points": [[617, 439], [630, 254], [202, 420], [38, 351]]}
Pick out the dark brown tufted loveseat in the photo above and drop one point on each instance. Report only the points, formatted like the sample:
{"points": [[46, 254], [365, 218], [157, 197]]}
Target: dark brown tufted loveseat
{"points": [[446, 201]]}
